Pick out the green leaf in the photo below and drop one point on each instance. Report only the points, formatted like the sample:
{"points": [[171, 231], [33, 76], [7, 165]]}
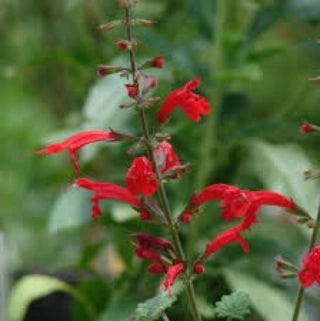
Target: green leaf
{"points": [[72, 209], [271, 303], [235, 305], [119, 310], [280, 168], [31, 288], [152, 308]]}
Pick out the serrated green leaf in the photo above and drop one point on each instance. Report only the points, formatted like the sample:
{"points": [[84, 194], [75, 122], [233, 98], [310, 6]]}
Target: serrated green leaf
{"points": [[30, 288], [280, 168], [271, 303], [152, 308], [72, 209], [236, 305]]}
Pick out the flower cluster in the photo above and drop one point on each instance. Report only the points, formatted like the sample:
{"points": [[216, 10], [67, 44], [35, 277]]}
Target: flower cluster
{"points": [[146, 174]]}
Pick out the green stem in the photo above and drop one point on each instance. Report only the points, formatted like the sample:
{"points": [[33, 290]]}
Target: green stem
{"points": [[161, 189], [311, 245]]}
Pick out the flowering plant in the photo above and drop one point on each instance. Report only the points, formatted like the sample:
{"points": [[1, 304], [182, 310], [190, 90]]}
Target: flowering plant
{"points": [[155, 165]]}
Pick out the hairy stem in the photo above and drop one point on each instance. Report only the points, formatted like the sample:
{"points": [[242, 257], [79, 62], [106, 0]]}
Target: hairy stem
{"points": [[301, 289], [161, 188]]}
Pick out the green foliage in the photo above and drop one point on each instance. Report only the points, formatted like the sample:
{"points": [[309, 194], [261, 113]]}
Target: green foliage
{"points": [[152, 308], [280, 168], [271, 303], [71, 209], [235, 305]]}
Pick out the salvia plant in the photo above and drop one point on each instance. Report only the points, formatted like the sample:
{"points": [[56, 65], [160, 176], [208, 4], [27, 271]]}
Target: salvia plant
{"points": [[155, 165]]}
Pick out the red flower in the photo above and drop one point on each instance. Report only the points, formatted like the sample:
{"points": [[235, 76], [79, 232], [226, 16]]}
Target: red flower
{"points": [[172, 273], [166, 158], [240, 203], [150, 241], [310, 272], [157, 62], [226, 237], [77, 141], [106, 191], [140, 177], [192, 104]]}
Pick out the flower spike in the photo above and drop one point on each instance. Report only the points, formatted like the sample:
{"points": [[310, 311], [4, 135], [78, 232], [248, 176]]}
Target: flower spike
{"points": [[193, 105], [77, 141]]}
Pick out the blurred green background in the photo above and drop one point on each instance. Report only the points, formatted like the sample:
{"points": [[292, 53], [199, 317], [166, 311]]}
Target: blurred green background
{"points": [[254, 58]]}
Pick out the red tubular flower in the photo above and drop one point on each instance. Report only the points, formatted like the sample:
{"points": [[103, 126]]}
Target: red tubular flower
{"points": [[140, 177], [310, 271], [150, 241], [77, 141], [157, 62], [192, 105], [106, 191], [172, 273], [306, 128], [166, 158], [240, 203], [226, 237]]}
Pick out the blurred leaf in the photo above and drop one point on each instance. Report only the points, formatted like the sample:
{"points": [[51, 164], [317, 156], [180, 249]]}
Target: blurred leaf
{"points": [[152, 308], [31, 288], [206, 309], [101, 109], [119, 310], [120, 238], [271, 303], [202, 11], [97, 290], [235, 306], [248, 71], [122, 213], [280, 168], [304, 9], [72, 209], [263, 20], [267, 52]]}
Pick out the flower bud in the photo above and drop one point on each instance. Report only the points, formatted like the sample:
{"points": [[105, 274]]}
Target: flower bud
{"points": [[198, 268]]}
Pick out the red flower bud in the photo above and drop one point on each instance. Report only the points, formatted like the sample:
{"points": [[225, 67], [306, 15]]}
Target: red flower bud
{"points": [[157, 62], [145, 216], [306, 128], [157, 268], [172, 273], [132, 90], [198, 268], [147, 254], [185, 217], [122, 44]]}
